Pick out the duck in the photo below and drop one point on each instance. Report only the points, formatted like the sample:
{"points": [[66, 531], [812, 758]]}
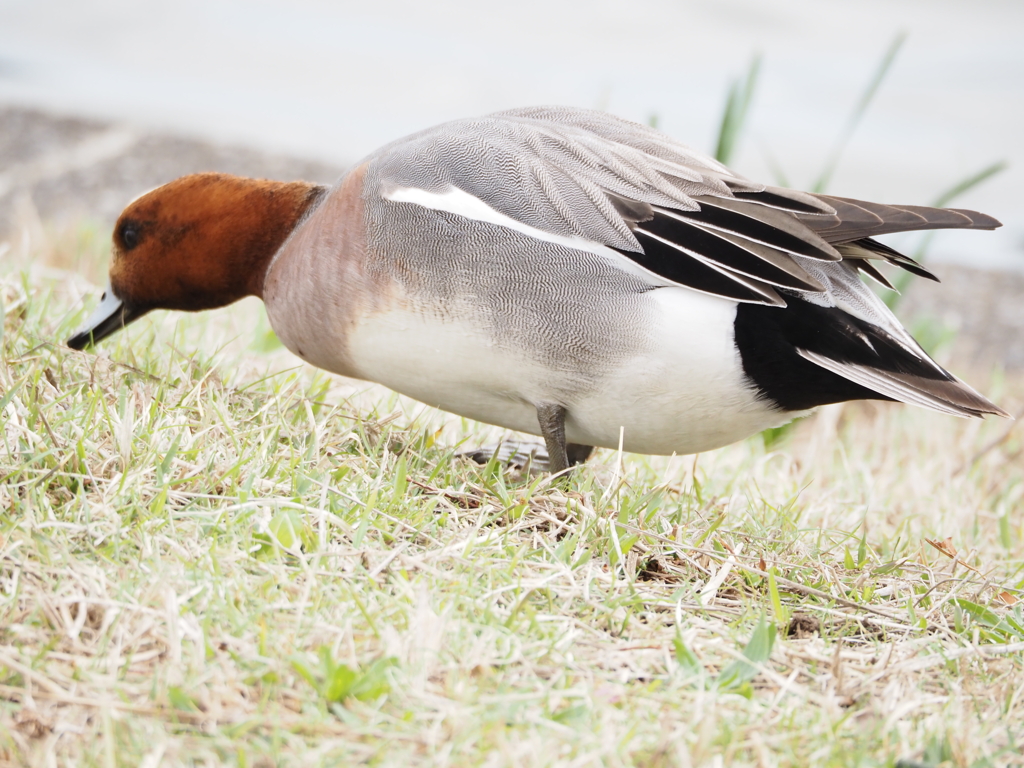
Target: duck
{"points": [[559, 272]]}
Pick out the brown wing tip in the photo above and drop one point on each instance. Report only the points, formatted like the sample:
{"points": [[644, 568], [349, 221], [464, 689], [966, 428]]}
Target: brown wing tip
{"points": [[961, 396], [995, 410], [979, 220], [991, 409]]}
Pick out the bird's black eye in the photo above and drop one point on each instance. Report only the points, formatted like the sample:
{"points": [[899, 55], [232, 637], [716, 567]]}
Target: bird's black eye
{"points": [[129, 235]]}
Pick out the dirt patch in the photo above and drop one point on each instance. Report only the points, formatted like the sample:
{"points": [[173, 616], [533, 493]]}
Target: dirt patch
{"points": [[802, 626]]}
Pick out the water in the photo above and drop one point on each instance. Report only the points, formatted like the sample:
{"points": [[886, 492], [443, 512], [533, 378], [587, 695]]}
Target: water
{"points": [[335, 80]]}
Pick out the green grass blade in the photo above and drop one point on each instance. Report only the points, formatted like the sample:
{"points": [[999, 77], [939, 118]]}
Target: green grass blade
{"points": [[781, 614], [859, 110], [685, 657], [962, 187], [737, 106], [757, 652]]}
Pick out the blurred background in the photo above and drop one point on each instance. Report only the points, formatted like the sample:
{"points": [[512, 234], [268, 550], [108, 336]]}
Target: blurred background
{"points": [[890, 101]]}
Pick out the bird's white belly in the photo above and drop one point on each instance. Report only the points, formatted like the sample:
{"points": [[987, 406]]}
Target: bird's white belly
{"points": [[448, 363], [685, 393]]}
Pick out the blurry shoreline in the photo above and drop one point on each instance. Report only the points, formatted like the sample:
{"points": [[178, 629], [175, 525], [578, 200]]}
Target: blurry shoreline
{"points": [[62, 170]]}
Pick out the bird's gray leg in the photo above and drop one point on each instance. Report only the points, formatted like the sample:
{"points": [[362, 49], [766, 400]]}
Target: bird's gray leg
{"points": [[561, 455], [555, 456], [552, 428]]}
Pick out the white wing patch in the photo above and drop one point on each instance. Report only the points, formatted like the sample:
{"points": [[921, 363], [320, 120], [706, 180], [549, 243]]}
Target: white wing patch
{"points": [[461, 203], [454, 200]]}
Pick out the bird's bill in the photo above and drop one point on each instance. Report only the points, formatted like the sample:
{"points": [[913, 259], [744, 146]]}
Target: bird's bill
{"points": [[108, 318]]}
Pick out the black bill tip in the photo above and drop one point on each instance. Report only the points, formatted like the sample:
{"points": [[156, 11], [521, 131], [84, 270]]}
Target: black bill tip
{"points": [[108, 318]]}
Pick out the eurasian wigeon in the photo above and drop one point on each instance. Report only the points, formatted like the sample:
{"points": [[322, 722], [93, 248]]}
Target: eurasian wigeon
{"points": [[554, 271]]}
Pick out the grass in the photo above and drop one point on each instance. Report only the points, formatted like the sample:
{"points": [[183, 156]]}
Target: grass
{"points": [[741, 94], [210, 554]]}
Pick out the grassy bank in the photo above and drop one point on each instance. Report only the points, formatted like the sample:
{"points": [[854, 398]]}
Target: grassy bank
{"points": [[211, 554]]}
